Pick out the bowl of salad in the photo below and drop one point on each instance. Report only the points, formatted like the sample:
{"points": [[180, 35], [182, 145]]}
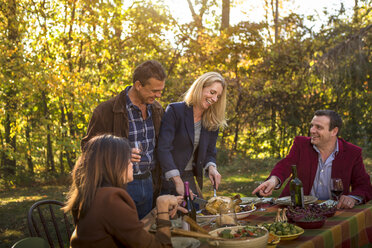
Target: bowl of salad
{"points": [[240, 236]]}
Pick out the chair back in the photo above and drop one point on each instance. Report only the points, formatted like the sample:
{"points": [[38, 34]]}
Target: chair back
{"points": [[45, 219], [31, 242]]}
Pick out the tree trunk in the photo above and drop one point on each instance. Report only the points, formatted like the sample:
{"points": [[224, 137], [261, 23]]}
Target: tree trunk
{"points": [[356, 15], [276, 20], [30, 164], [225, 22], [50, 157], [267, 7], [273, 131], [8, 161], [70, 155], [63, 136], [198, 18], [238, 103]]}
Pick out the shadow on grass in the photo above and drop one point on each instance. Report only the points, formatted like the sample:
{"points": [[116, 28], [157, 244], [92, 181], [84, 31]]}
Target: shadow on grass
{"points": [[240, 176], [14, 206]]}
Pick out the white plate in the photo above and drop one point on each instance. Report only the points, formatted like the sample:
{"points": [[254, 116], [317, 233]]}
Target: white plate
{"points": [[254, 200], [287, 200], [240, 215], [329, 203]]}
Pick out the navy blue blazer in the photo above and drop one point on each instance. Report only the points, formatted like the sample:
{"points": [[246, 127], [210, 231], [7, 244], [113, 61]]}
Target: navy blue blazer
{"points": [[176, 141]]}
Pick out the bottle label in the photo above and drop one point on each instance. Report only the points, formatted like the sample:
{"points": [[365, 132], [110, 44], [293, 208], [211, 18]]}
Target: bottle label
{"points": [[297, 197], [293, 198]]}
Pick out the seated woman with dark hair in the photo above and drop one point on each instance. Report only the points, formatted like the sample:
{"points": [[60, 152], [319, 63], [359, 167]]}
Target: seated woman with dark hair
{"points": [[105, 214]]}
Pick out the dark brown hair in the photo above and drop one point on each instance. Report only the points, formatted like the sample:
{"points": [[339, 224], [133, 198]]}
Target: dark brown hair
{"points": [[335, 119], [147, 70], [104, 161]]}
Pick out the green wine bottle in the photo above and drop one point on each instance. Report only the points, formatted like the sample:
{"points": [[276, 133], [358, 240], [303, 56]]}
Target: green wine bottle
{"points": [[296, 189]]}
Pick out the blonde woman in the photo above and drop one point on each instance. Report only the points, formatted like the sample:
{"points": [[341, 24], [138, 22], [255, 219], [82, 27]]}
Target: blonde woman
{"points": [[188, 133], [105, 214]]}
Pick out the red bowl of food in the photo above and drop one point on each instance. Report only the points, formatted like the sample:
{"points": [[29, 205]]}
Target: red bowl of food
{"points": [[329, 214], [311, 224]]}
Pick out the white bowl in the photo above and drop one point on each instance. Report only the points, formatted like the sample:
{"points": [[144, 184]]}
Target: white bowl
{"points": [[260, 242]]}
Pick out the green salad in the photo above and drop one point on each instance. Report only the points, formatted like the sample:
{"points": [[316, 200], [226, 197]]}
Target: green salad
{"points": [[282, 229], [244, 232]]}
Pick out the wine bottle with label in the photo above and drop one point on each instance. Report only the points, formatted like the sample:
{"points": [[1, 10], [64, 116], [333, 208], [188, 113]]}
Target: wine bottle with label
{"points": [[189, 206], [296, 189]]}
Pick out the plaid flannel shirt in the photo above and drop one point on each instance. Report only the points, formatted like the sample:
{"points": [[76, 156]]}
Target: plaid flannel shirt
{"points": [[143, 131]]}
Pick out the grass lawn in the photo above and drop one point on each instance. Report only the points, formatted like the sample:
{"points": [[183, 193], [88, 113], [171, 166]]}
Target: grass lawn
{"points": [[238, 176]]}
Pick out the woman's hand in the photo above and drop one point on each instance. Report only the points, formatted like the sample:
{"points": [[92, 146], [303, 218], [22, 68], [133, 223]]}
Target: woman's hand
{"points": [[214, 176], [178, 183], [170, 204]]}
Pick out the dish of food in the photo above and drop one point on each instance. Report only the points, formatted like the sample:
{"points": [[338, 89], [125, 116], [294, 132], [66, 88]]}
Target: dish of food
{"points": [[218, 203], [286, 231], [240, 236], [311, 211], [240, 215], [215, 204], [255, 200], [273, 240], [311, 224], [291, 236], [242, 233], [328, 203], [287, 200]]}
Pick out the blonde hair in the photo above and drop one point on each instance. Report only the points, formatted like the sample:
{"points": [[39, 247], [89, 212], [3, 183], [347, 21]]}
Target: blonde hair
{"points": [[214, 117], [104, 161]]}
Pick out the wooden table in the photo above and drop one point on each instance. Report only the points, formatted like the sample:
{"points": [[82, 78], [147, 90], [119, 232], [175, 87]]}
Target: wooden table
{"points": [[347, 228]]}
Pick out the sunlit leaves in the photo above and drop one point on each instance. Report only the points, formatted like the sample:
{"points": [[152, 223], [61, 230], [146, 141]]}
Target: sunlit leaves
{"points": [[60, 59]]}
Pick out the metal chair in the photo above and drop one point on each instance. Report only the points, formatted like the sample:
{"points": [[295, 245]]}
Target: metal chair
{"points": [[53, 226]]}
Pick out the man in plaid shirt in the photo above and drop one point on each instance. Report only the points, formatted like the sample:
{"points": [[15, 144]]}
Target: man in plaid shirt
{"points": [[136, 115]]}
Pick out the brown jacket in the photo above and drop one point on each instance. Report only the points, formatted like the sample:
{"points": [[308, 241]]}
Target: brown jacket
{"points": [[112, 221], [111, 117]]}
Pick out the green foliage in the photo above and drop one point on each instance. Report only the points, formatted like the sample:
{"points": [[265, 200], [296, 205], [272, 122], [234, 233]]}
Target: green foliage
{"points": [[60, 59]]}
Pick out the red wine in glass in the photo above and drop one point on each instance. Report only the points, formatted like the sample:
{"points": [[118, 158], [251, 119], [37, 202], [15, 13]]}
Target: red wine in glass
{"points": [[336, 193], [336, 187]]}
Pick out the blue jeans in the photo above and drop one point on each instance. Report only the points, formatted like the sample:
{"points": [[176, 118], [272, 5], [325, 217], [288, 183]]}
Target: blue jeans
{"points": [[141, 192]]}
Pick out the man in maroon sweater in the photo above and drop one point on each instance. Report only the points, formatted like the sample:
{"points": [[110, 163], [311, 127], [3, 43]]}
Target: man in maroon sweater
{"points": [[319, 158]]}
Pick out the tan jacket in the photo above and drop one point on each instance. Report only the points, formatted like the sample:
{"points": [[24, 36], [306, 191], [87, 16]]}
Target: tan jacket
{"points": [[112, 221], [111, 117]]}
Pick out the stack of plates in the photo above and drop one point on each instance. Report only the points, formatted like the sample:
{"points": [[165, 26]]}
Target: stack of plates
{"points": [[287, 200]]}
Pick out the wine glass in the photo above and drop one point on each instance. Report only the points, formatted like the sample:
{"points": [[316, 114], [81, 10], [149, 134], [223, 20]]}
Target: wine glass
{"points": [[138, 146], [336, 188], [258, 183]]}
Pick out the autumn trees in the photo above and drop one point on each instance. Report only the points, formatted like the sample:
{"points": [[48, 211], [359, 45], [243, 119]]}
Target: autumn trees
{"points": [[59, 59]]}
